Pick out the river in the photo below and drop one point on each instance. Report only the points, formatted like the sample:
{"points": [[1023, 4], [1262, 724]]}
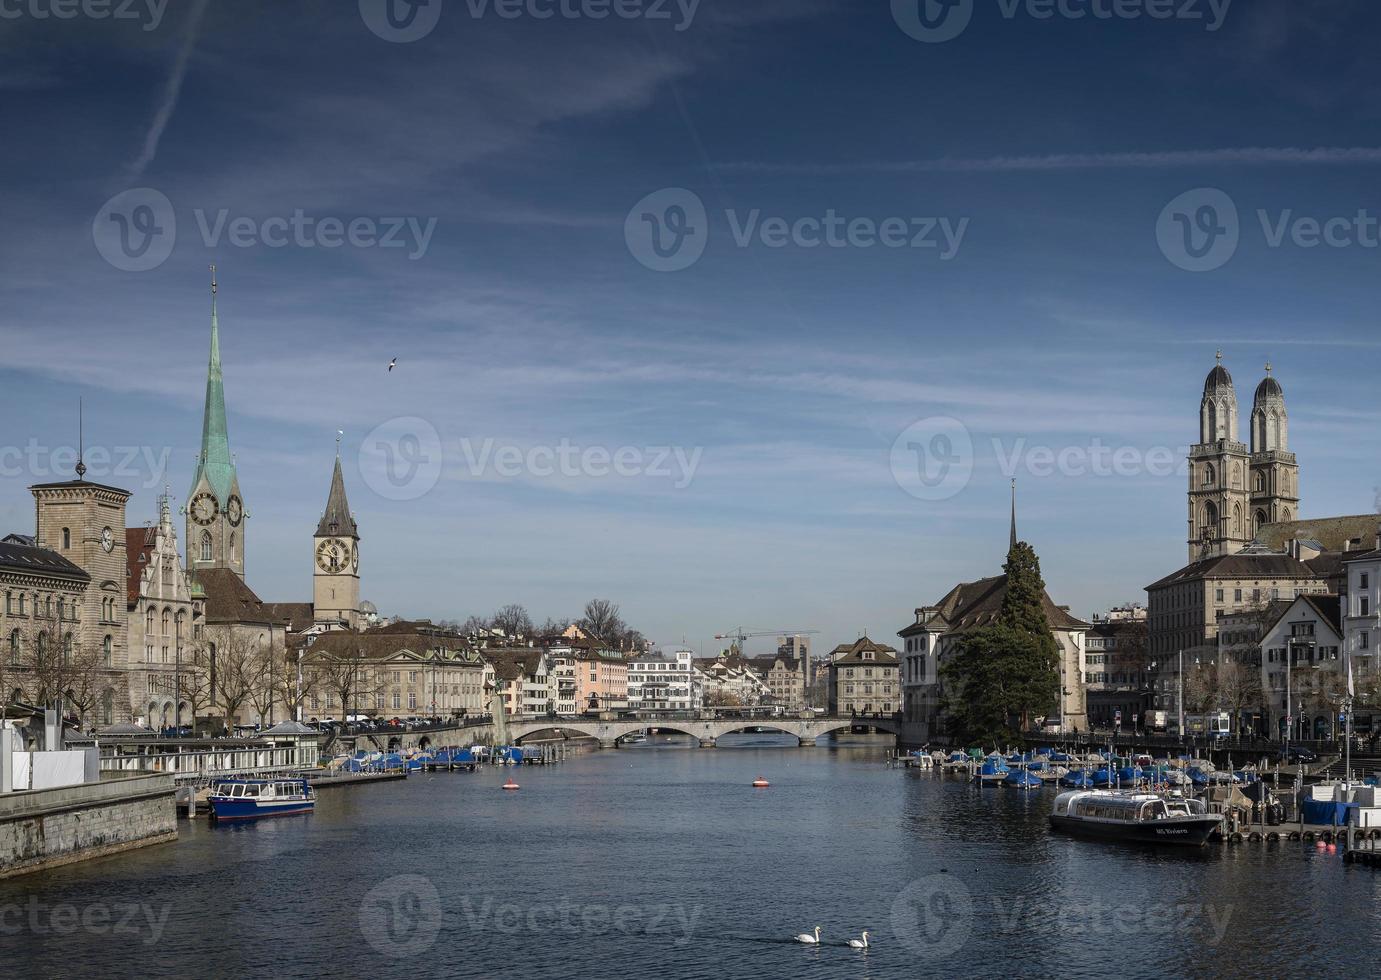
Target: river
{"points": [[662, 862]]}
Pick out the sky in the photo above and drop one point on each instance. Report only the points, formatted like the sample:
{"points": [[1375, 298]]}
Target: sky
{"points": [[737, 312]]}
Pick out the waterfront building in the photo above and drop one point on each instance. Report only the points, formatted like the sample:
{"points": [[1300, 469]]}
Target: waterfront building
{"points": [[1361, 621], [729, 680], [1116, 672], [786, 677], [168, 667], [665, 681], [1304, 639], [66, 619], [405, 670], [524, 680], [562, 657], [1235, 489], [601, 677], [865, 680]]}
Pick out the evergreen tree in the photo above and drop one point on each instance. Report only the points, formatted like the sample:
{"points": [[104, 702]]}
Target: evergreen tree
{"points": [[1003, 673]]}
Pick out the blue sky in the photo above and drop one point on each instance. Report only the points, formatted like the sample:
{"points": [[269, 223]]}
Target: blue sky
{"points": [[529, 321]]}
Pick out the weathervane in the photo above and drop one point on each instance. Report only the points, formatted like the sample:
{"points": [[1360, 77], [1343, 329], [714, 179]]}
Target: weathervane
{"points": [[81, 442]]}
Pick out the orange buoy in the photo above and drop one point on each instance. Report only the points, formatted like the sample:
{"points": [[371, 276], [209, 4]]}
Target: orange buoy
{"points": [[1332, 848], [761, 783], [510, 784]]}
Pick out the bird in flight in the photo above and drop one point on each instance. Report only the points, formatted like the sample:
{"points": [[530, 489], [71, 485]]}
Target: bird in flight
{"points": [[391, 364]]}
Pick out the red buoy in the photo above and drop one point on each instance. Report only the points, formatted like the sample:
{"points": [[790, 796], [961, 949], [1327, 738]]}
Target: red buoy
{"points": [[761, 783], [510, 784]]}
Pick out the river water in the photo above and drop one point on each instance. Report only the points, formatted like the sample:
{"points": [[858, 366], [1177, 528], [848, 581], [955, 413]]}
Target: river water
{"points": [[659, 861]]}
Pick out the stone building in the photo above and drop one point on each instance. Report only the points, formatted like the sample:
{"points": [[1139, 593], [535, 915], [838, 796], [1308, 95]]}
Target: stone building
{"points": [[1235, 489], [1116, 669], [405, 670], [786, 678], [524, 680], [865, 679], [168, 666], [664, 681], [729, 680]]}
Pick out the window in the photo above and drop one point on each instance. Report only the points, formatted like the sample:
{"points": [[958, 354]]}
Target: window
{"points": [[205, 545], [1365, 581], [16, 647], [107, 650], [1363, 605], [148, 622], [231, 552], [1364, 640], [66, 539], [67, 649]]}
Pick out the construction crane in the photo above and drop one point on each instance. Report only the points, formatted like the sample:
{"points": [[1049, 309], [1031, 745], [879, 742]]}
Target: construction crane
{"points": [[739, 635]]}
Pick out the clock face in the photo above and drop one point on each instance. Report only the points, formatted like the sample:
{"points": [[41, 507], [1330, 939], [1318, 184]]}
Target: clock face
{"points": [[330, 556], [108, 540], [355, 559], [204, 508], [234, 510]]}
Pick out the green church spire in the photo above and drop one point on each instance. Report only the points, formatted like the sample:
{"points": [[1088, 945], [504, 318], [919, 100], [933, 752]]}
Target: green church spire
{"points": [[215, 463]]}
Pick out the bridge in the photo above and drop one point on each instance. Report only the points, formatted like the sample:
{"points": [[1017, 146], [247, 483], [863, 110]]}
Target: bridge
{"points": [[611, 728]]}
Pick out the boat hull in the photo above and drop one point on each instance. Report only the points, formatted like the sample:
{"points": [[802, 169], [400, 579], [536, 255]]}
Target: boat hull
{"points": [[250, 809], [1177, 831]]}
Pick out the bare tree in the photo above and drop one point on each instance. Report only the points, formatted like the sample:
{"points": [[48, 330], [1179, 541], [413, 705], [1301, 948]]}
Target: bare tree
{"points": [[553, 627], [293, 695], [59, 664], [602, 621], [350, 676], [267, 670], [194, 677], [238, 671], [513, 620], [474, 626]]}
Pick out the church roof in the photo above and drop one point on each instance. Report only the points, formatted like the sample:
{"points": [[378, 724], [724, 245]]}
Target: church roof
{"points": [[230, 600], [1217, 378], [1334, 533], [979, 603], [214, 463], [298, 615], [336, 520], [1254, 566], [1269, 388], [139, 544]]}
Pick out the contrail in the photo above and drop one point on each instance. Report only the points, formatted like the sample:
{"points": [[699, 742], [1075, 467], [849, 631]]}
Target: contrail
{"points": [[170, 91], [1250, 155]]}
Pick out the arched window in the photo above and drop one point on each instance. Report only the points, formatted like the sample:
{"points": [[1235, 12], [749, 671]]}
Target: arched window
{"points": [[1261, 521], [178, 623], [1259, 484], [107, 650], [16, 648], [1212, 422], [1237, 520], [66, 539], [148, 622], [231, 553], [205, 545], [167, 621], [108, 707], [41, 647], [1210, 520], [1210, 475], [67, 648]]}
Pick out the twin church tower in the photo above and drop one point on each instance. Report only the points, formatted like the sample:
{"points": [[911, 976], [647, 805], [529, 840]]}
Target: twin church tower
{"points": [[216, 514], [1235, 489]]}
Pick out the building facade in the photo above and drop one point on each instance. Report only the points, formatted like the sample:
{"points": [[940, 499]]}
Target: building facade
{"points": [[1303, 671], [865, 680], [1116, 669], [663, 681]]}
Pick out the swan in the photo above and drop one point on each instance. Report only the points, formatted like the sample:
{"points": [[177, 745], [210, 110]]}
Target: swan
{"points": [[806, 937], [860, 943]]}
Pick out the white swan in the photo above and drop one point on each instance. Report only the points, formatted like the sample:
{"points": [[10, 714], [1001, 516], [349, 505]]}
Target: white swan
{"points": [[860, 943], [806, 937]]}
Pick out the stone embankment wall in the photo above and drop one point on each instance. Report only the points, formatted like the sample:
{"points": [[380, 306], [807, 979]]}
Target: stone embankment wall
{"points": [[45, 828]]}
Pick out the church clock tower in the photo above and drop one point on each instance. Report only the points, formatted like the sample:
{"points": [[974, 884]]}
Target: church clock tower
{"points": [[1219, 521], [1274, 473], [336, 558], [215, 510]]}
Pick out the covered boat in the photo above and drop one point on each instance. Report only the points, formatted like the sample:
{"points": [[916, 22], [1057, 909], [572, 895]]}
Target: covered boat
{"points": [[994, 770], [1022, 779], [1144, 818]]}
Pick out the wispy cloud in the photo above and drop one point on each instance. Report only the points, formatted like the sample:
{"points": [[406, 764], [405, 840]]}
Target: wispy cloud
{"points": [[171, 89], [1166, 160]]}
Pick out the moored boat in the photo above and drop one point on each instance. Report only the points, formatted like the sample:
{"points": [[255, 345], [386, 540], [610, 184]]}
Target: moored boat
{"points": [[251, 799], [1145, 818]]}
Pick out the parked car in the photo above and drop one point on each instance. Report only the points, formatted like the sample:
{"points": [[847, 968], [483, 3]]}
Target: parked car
{"points": [[1298, 753]]}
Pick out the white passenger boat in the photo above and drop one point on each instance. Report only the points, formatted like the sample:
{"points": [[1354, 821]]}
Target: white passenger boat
{"points": [[1145, 818]]}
